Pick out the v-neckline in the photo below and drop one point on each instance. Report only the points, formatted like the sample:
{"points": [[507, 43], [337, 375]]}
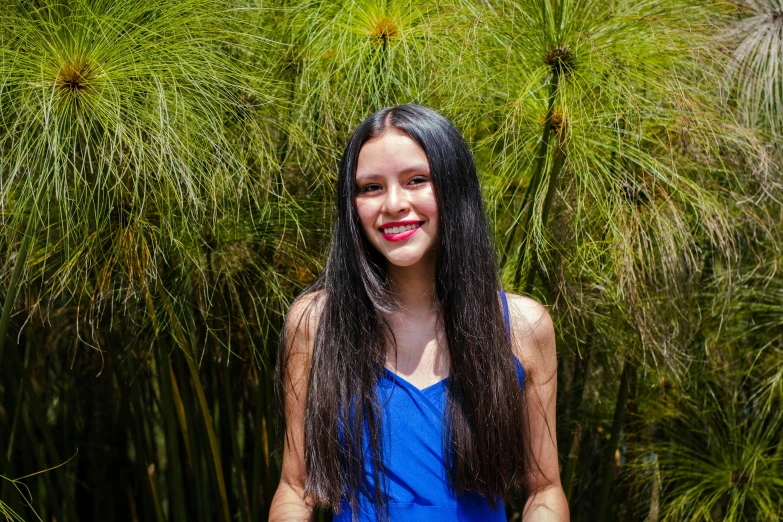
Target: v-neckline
{"points": [[406, 382], [398, 378]]}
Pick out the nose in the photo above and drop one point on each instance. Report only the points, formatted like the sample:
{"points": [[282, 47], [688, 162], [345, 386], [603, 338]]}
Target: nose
{"points": [[396, 200]]}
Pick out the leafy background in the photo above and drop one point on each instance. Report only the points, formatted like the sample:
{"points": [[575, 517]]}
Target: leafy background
{"points": [[166, 185]]}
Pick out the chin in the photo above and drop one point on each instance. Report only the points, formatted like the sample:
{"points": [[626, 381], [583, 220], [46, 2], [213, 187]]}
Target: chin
{"points": [[406, 260], [403, 262]]}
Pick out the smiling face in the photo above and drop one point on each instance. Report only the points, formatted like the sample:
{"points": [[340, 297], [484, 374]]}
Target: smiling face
{"points": [[395, 199]]}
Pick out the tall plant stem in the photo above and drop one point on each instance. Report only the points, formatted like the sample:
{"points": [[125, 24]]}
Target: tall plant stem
{"points": [[168, 402], [13, 284], [573, 457], [612, 445], [268, 421], [171, 410], [6, 485], [525, 213], [203, 406], [243, 515], [525, 209], [554, 175], [259, 465], [19, 398], [632, 424], [38, 426], [577, 393], [527, 202]]}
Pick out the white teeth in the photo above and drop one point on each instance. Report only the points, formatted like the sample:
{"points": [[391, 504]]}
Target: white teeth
{"points": [[397, 230]]}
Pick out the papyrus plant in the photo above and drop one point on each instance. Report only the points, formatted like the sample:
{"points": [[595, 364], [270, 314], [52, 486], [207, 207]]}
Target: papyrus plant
{"points": [[126, 134], [134, 188], [609, 175]]}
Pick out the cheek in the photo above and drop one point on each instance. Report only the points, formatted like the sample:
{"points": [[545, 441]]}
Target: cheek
{"points": [[428, 206], [367, 215]]}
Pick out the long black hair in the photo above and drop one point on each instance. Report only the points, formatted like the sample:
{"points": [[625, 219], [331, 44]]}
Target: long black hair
{"points": [[485, 428]]}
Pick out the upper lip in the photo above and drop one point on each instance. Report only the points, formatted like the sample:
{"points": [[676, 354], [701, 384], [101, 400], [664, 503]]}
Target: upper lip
{"points": [[401, 223]]}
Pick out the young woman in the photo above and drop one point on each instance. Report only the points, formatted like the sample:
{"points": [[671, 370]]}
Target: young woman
{"points": [[412, 387]]}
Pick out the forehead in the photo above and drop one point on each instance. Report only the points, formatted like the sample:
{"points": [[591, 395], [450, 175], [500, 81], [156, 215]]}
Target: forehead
{"points": [[391, 153]]}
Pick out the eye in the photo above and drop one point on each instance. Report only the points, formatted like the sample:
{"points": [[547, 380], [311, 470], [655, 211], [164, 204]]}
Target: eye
{"points": [[417, 180], [370, 187]]}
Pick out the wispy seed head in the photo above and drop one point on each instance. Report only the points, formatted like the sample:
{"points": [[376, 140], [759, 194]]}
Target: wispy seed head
{"points": [[384, 30], [560, 59], [74, 77], [739, 477]]}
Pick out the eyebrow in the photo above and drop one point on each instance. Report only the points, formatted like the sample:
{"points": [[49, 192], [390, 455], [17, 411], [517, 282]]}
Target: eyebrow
{"points": [[414, 168]]}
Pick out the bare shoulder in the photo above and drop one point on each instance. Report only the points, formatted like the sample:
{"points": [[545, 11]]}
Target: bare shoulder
{"points": [[529, 318], [301, 322], [533, 334], [296, 348]]}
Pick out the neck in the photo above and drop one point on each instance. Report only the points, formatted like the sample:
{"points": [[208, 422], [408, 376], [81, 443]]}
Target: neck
{"points": [[414, 286]]}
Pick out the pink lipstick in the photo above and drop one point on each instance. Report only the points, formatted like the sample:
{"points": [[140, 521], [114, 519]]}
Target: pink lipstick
{"points": [[400, 235]]}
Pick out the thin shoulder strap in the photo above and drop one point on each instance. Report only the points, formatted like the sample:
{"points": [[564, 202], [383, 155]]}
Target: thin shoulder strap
{"points": [[505, 312]]}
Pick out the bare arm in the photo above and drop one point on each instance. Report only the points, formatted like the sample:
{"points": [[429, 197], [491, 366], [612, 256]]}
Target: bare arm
{"points": [[289, 504], [534, 343]]}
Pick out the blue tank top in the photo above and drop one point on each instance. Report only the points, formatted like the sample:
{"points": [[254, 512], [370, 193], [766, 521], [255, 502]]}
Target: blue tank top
{"points": [[413, 453]]}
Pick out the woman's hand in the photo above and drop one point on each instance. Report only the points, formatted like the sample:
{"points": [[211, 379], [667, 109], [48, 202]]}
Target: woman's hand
{"points": [[288, 504]]}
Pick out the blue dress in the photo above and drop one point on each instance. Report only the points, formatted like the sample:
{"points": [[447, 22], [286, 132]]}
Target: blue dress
{"points": [[413, 453]]}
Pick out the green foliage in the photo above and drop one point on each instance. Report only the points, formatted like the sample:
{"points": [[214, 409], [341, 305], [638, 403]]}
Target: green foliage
{"points": [[637, 135], [137, 155], [124, 130], [718, 456], [755, 78], [166, 176]]}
